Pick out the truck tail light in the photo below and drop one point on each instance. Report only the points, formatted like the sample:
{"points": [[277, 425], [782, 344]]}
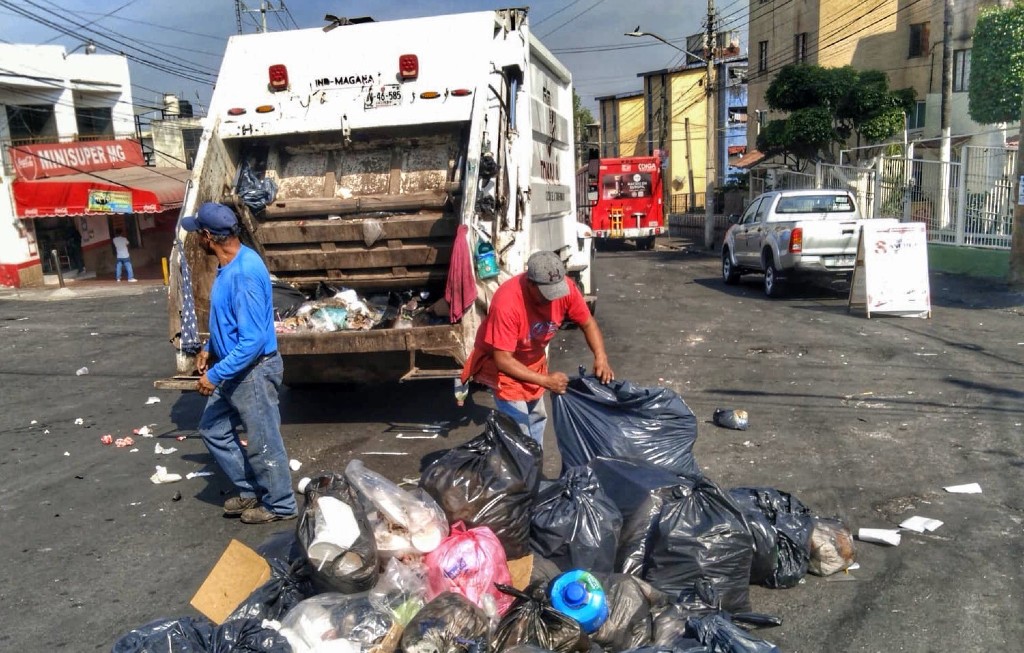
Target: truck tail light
{"points": [[408, 66], [796, 241], [278, 77]]}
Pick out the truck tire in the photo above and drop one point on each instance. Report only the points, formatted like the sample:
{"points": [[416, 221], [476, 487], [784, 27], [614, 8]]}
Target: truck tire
{"points": [[730, 273], [645, 243], [772, 283]]}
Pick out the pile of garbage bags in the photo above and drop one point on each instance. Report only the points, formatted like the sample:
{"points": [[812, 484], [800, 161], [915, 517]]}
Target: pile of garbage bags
{"points": [[630, 552], [343, 309]]}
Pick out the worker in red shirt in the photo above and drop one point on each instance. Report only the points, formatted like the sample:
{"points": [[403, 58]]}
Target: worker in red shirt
{"points": [[510, 353]]}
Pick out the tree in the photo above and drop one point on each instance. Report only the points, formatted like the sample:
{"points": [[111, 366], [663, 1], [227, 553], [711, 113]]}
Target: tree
{"points": [[581, 119], [828, 107], [997, 65]]}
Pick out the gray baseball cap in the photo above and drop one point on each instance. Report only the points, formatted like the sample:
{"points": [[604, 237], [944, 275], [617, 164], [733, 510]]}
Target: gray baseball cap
{"points": [[547, 271]]}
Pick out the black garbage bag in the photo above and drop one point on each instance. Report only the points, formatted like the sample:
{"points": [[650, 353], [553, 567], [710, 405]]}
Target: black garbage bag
{"points": [[491, 481], [575, 523], [289, 582], [191, 635], [448, 624], [781, 527], [353, 568], [286, 299], [256, 193], [633, 605], [625, 421], [721, 635], [531, 620], [678, 529], [701, 534], [684, 645]]}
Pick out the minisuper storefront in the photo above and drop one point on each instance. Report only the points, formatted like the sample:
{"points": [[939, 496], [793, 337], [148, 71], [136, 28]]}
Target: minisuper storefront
{"points": [[73, 198]]}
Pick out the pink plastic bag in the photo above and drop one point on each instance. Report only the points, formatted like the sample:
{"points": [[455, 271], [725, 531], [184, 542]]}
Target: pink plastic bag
{"points": [[470, 562]]}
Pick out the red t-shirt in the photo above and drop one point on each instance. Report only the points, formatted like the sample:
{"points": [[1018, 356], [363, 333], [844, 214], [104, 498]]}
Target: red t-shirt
{"points": [[517, 324]]}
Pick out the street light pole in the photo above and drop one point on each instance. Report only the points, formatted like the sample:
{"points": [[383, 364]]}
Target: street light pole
{"points": [[710, 129]]}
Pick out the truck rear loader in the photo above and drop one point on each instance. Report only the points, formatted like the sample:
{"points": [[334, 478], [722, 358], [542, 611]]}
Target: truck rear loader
{"points": [[383, 139]]}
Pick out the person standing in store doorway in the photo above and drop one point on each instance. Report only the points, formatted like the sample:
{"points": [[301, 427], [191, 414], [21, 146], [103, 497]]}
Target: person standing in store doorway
{"points": [[74, 245], [123, 258], [242, 373]]}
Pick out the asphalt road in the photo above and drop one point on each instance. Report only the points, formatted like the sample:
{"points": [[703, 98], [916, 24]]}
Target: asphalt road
{"points": [[865, 419]]}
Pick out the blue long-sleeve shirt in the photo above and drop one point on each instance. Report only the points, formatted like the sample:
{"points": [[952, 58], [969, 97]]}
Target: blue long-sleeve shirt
{"points": [[241, 316]]}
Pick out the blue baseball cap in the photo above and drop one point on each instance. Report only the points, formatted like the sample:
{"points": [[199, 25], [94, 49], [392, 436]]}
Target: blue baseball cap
{"points": [[214, 217]]}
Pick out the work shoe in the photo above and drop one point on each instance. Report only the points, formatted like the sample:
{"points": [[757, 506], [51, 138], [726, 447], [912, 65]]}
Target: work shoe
{"points": [[133, 280], [261, 515], [235, 506]]}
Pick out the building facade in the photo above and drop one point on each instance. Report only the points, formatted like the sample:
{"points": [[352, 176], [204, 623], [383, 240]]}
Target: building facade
{"points": [[903, 38], [72, 171], [622, 122]]}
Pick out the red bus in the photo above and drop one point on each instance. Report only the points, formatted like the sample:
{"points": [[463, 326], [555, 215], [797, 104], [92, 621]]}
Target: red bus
{"points": [[621, 199]]}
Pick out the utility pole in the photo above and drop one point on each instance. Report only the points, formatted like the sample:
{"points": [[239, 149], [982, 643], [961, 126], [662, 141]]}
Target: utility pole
{"points": [[1016, 278], [689, 167], [710, 130], [945, 156], [265, 6]]}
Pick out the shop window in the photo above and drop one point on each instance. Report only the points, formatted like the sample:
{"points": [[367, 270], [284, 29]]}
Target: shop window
{"points": [[31, 123], [94, 123], [918, 40]]}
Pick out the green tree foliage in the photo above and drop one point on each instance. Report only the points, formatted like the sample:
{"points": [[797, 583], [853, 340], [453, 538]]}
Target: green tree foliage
{"points": [[828, 106], [997, 65], [581, 117]]}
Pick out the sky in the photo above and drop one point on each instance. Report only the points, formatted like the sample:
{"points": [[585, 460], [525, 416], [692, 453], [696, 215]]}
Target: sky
{"points": [[187, 37]]}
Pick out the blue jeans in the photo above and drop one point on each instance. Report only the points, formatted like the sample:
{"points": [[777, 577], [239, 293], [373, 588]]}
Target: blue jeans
{"points": [[531, 416], [260, 469], [127, 264]]}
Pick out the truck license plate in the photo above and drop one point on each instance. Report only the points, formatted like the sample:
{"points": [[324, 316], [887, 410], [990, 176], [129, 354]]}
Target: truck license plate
{"points": [[388, 95], [844, 260]]}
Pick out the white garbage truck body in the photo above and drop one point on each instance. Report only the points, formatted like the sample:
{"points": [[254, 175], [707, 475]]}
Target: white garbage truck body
{"points": [[382, 139]]}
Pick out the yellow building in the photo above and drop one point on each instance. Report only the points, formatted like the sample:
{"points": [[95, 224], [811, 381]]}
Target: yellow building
{"points": [[902, 38], [676, 117], [622, 125]]}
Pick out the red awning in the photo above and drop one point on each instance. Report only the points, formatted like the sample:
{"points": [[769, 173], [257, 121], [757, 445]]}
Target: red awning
{"points": [[152, 190]]}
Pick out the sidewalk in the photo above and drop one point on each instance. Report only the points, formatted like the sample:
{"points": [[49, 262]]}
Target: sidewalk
{"points": [[88, 285]]}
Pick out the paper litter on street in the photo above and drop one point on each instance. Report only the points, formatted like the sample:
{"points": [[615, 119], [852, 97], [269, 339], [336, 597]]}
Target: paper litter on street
{"points": [[879, 536], [79, 421], [162, 476], [967, 488], [294, 465], [192, 475], [144, 431], [164, 450], [920, 524], [152, 400]]}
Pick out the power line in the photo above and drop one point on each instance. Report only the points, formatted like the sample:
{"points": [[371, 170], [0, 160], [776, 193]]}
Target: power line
{"points": [[573, 18]]}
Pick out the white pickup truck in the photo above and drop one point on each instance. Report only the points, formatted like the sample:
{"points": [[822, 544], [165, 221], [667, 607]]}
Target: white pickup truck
{"points": [[794, 233]]}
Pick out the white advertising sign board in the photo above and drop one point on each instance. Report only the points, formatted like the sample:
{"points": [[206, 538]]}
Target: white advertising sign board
{"points": [[891, 273]]}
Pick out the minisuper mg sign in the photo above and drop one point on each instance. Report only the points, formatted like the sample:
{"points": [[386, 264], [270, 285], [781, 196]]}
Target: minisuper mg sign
{"points": [[33, 162]]}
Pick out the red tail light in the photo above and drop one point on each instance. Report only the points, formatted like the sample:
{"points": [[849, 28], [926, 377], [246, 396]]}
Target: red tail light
{"points": [[796, 241], [408, 66], [278, 78]]}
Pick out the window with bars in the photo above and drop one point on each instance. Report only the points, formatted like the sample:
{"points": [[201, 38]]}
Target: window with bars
{"points": [[961, 70], [800, 47], [918, 40], [762, 56]]}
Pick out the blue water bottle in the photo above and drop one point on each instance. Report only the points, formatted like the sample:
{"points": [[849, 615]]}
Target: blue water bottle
{"points": [[579, 596]]}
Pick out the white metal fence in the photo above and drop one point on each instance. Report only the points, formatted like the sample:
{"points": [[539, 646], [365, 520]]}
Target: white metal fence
{"points": [[976, 209]]}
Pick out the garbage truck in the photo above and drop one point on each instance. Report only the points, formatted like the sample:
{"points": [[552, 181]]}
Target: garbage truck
{"points": [[390, 149]]}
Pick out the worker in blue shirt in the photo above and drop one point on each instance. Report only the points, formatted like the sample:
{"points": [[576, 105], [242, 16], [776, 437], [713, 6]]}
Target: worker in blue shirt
{"points": [[241, 373]]}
